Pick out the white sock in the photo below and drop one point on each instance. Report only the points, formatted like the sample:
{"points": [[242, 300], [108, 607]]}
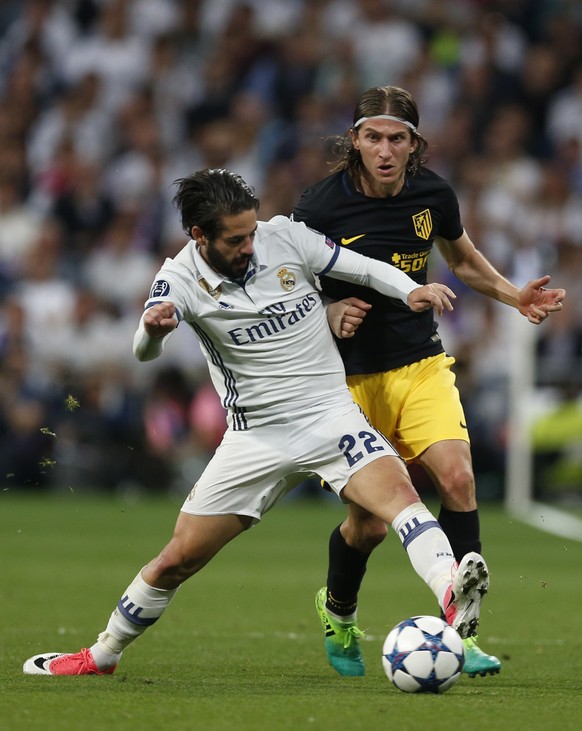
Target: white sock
{"points": [[140, 606], [103, 658], [341, 618], [427, 546]]}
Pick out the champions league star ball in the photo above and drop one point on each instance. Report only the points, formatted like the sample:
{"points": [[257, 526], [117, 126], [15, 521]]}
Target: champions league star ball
{"points": [[423, 655]]}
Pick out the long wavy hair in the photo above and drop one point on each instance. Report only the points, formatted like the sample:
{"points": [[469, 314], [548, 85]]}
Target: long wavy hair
{"points": [[373, 102]]}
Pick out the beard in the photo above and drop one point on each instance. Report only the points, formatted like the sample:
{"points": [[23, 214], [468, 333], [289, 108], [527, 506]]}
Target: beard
{"points": [[233, 269]]}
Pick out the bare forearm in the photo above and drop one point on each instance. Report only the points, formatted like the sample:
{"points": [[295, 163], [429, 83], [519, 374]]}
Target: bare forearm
{"points": [[479, 274]]}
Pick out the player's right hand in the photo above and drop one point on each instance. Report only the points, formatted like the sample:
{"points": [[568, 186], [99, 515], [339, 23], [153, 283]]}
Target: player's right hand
{"points": [[437, 296], [346, 316], [160, 319]]}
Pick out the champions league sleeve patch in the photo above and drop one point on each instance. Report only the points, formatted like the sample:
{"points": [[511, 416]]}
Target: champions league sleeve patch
{"points": [[160, 288]]}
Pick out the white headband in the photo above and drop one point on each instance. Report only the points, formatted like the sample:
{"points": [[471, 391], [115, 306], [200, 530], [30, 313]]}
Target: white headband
{"points": [[386, 116]]}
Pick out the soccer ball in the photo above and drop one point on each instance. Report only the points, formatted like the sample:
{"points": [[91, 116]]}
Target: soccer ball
{"points": [[423, 655]]}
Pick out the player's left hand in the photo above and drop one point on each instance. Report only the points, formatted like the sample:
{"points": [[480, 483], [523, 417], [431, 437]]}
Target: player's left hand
{"points": [[536, 302]]}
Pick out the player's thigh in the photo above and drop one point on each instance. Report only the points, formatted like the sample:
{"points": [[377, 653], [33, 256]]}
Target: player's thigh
{"points": [[249, 473], [432, 411], [337, 444]]}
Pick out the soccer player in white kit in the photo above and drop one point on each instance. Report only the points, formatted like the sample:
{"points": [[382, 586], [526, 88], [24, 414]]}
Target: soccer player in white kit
{"points": [[249, 292]]}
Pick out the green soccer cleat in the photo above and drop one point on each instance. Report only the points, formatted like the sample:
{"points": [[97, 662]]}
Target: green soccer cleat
{"points": [[478, 662], [341, 640]]}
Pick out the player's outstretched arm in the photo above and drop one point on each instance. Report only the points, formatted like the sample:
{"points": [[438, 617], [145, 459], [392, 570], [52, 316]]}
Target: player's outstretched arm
{"points": [[390, 281], [533, 300]]}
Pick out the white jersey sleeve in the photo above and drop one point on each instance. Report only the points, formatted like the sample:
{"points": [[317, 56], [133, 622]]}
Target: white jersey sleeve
{"points": [[353, 267], [169, 286], [384, 278], [146, 348]]}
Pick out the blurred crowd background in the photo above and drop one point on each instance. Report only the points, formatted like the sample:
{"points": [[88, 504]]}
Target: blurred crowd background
{"points": [[104, 103]]}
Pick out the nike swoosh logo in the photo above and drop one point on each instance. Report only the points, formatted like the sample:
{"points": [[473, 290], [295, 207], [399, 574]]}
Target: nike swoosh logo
{"points": [[347, 242], [40, 662], [463, 426]]}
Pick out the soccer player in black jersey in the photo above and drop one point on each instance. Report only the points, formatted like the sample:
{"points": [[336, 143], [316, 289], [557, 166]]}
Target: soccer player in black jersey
{"points": [[383, 202]]}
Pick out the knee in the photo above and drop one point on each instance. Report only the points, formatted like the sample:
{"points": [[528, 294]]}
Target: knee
{"points": [[457, 488]]}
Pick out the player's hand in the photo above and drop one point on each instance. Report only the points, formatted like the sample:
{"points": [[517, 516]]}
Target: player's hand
{"points": [[536, 302], [160, 319], [346, 316], [437, 296]]}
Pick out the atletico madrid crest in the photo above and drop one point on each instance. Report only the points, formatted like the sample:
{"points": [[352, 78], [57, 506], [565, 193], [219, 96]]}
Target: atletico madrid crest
{"points": [[423, 224]]}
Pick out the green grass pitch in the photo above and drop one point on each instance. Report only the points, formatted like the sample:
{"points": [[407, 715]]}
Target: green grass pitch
{"points": [[241, 647]]}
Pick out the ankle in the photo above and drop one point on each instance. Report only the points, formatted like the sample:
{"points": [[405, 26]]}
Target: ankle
{"points": [[106, 651]]}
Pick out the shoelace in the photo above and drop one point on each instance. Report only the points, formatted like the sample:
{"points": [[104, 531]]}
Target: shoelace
{"points": [[351, 634], [86, 661]]}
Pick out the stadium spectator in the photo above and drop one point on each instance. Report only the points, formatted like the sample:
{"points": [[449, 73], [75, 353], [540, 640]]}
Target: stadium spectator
{"points": [[75, 117], [84, 209], [46, 24], [20, 226], [118, 271], [565, 110], [117, 56], [385, 41]]}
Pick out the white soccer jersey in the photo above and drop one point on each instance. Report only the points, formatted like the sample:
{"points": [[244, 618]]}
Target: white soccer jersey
{"points": [[267, 341]]}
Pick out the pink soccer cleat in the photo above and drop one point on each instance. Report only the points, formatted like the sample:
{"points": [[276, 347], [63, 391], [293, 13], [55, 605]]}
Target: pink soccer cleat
{"points": [[58, 663]]}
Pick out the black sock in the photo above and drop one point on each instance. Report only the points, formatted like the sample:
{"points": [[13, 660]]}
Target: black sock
{"points": [[462, 530], [346, 570]]}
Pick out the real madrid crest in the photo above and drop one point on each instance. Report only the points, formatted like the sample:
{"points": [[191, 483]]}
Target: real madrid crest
{"points": [[287, 279]]}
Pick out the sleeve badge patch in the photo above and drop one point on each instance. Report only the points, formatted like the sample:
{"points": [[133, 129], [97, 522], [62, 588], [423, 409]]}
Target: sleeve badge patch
{"points": [[160, 288]]}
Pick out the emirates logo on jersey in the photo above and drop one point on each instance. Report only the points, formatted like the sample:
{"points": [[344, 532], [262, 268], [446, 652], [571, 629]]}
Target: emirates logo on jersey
{"points": [[287, 279], [423, 224]]}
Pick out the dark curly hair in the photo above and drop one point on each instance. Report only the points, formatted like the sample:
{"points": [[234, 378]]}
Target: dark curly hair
{"points": [[205, 197]]}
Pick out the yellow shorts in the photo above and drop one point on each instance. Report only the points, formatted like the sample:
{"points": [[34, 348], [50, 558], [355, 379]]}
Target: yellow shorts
{"points": [[414, 406]]}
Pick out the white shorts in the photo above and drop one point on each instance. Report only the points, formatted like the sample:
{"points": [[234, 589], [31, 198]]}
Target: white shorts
{"points": [[252, 470]]}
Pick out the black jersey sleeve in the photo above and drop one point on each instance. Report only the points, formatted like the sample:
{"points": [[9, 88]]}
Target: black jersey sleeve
{"points": [[451, 226], [307, 211]]}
